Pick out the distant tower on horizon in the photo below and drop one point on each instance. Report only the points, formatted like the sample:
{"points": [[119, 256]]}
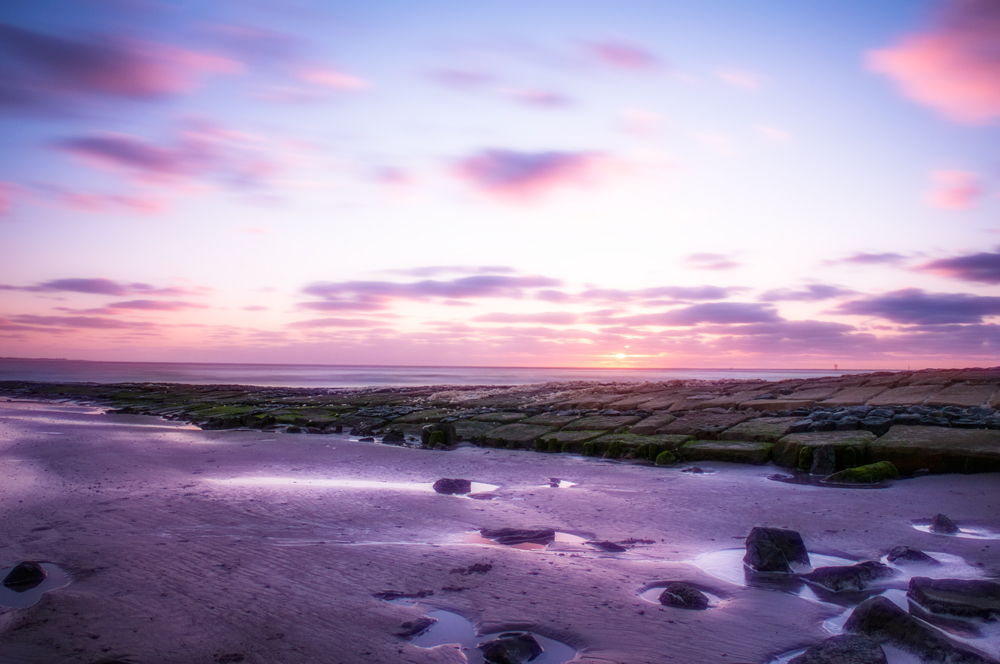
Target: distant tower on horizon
{"points": [[835, 368]]}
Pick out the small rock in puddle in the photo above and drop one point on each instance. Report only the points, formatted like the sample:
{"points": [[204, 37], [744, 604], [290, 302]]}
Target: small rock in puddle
{"points": [[414, 627], [25, 576], [843, 649], [942, 524], [774, 550], [453, 486], [851, 577], [956, 597], [683, 596], [904, 555], [610, 547], [883, 621], [511, 536], [511, 648]]}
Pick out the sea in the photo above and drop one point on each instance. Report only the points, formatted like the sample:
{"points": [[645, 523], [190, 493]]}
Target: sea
{"points": [[332, 375]]}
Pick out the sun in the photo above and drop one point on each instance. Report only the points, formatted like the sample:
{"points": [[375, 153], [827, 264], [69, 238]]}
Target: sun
{"points": [[621, 356]]}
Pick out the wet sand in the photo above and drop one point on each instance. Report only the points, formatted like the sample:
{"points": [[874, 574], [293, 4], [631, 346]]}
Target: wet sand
{"points": [[193, 547]]}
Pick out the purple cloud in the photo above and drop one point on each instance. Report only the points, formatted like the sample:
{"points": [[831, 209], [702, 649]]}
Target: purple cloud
{"points": [[623, 55], [717, 262], [434, 270], [719, 313], [43, 72], [155, 305], [523, 176], [983, 267], [97, 287], [334, 322], [674, 292], [862, 258], [81, 322], [542, 98], [811, 293], [913, 306], [378, 292]]}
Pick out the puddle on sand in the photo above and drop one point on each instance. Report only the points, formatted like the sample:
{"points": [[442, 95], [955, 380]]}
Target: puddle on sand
{"points": [[727, 565], [556, 483], [967, 532], [562, 542], [56, 578], [332, 483], [806, 479], [452, 628], [652, 595]]}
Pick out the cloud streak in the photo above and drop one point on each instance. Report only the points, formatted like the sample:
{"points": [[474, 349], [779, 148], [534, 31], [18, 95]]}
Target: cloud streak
{"points": [[983, 267], [525, 176], [912, 306]]}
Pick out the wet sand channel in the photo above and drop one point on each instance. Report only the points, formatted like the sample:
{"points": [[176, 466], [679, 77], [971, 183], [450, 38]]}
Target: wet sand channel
{"points": [[199, 547]]}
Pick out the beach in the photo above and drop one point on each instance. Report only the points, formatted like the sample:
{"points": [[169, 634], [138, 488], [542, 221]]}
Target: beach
{"points": [[259, 546]]}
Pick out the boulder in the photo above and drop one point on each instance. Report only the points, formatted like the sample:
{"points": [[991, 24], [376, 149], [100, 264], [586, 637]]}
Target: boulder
{"points": [[963, 395], [511, 536], [824, 460], [957, 597], [566, 441], [414, 627], [843, 649], [500, 418], [394, 438], [423, 416], [905, 396], [652, 423], [451, 486], [683, 596], [760, 430], [774, 550], [516, 435], [940, 449], [878, 618], [733, 451], [511, 648], [555, 419], [904, 555], [849, 447], [602, 423], [872, 473], [942, 524], [24, 576], [849, 577], [703, 425], [471, 431], [853, 396], [442, 433]]}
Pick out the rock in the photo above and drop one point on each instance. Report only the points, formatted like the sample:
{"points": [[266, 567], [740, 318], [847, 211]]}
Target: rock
{"points": [[557, 420], [566, 441], [469, 430], [843, 649], [703, 425], [849, 577], [441, 433], [24, 576], [610, 547], [451, 486], [665, 458], [963, 395], [423, 416], [602, 423], [726, 450], [942, 449], [905, 396], [872, 473], [394, 438], [774, 550], [849, 447], [824, 461], [366, 439], [683, 596], [517, 435], [878, 618], [877, 425], [853, 396], [903, 555], [511, 648], [296, 429], [955, 597], [652, 423], [942, 524], [760, 430], [412, 628], [511, 536], [500, 418]]}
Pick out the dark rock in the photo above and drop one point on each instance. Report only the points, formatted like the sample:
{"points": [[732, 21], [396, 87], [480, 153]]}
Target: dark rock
{"points": [[903, 555], [774, 550], [475, 568], [412, 628], [849, 577], [877, 425], [883, 621], [906, 419], [441, 433], [824, 425], [446, 485], [802, 426], [824, 460], [511, 648], [955, 597], [683, 596], [366, 439], [394, 438], [512, 536], [843, 649], [848, 423], [610, 547], [942, 524], [872, 473], [24, 576], [293, 429], [967, 423]]}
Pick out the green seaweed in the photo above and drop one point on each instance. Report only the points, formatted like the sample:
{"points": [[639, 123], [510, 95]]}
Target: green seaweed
{"points": [[872, 473], [666, 458], [805, 460]]}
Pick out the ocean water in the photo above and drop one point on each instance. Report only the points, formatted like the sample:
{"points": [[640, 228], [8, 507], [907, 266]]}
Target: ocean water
{"points": [[318, 375]]}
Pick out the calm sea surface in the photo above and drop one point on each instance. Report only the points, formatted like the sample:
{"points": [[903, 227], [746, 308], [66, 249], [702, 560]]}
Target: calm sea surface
{"points": [[315, 375]]}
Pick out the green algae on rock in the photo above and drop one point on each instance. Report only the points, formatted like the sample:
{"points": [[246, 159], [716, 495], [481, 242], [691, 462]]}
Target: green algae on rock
{"points": [[938, 449], [872, 473], [733, 451]]}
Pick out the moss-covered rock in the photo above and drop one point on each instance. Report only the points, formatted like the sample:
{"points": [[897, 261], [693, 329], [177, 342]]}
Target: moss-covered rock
{"points": [[568, 441], [938, 449], [786, 450], [872, 473], [762, 429], [424, 416], [706, 426], [516, 435], [733, 451], [666, 458], [556, 419], [601, 423], [653, 423], [500, 418]]}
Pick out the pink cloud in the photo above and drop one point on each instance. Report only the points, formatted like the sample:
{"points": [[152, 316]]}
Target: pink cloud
{"points": [[715, 262], [953, 190], [525, 176], [49, 68], [110, 203], [955, 66], [334, 322], [332, 78], [7, 192], [543, 98], [623, 55], [547, 318], [740, 78]]}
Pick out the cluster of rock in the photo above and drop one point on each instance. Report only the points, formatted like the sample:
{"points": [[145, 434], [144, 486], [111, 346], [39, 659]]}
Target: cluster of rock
{"points": [[938, 421], [877, 620]]}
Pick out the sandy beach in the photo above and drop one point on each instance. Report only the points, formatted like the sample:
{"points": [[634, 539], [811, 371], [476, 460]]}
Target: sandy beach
{"points": [[254, 546]]}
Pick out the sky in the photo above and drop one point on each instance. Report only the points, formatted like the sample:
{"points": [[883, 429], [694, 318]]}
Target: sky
{"points": [[627, 183]]}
